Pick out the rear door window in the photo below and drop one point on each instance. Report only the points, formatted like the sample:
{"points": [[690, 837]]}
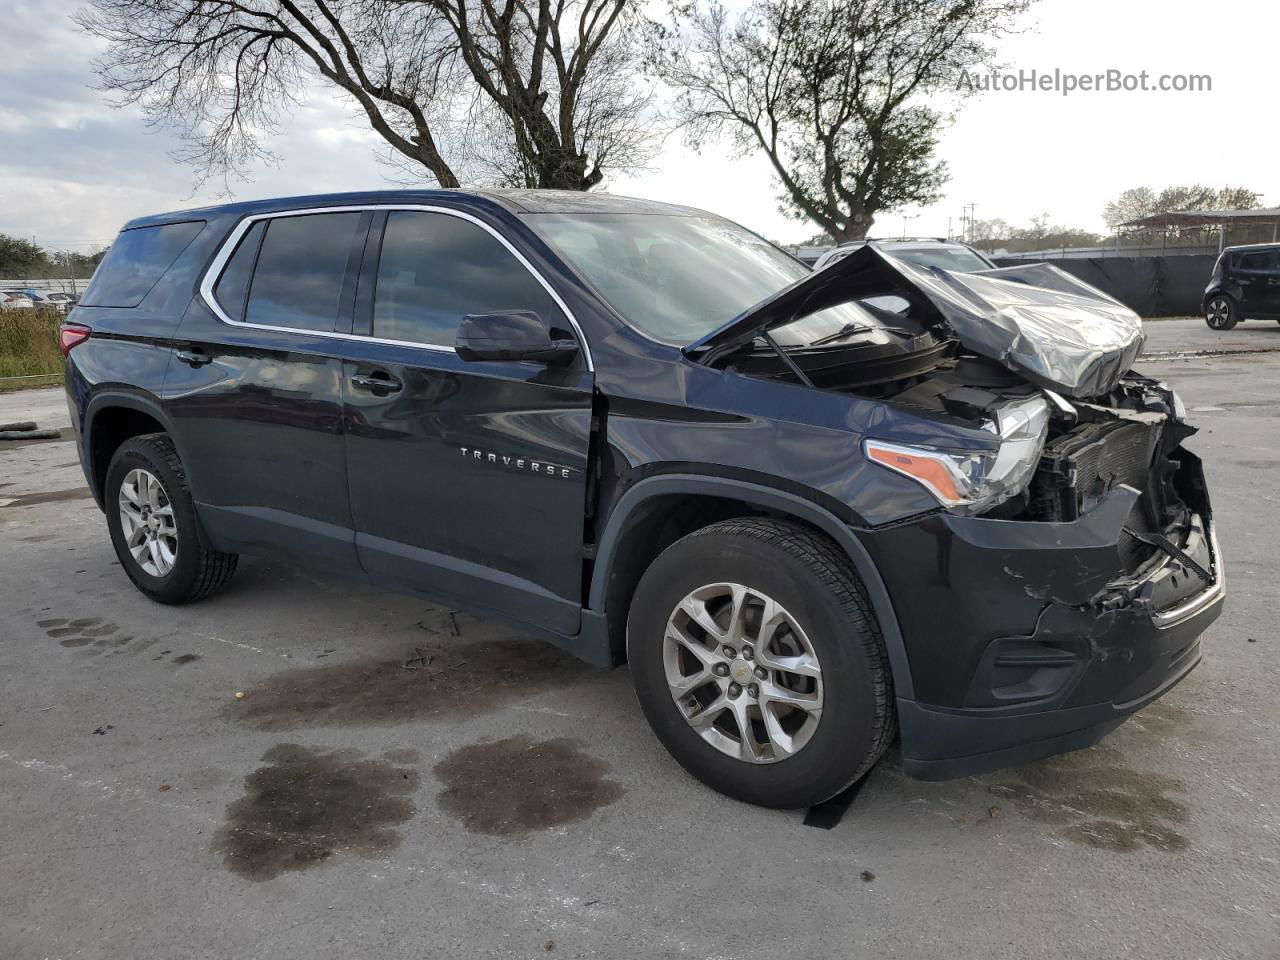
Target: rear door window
{"points": [[1263, 262], [436, 268], [300, 270], [136, 261]]}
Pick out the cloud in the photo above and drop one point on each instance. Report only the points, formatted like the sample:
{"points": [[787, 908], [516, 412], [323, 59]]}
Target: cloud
{"points": [[73, 169]]}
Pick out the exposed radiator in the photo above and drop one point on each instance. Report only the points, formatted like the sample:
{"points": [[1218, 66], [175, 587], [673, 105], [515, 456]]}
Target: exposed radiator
{"points": [[1080, 468]]}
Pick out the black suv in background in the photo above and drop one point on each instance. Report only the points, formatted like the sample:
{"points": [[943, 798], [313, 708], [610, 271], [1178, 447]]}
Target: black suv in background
{"points": [[1245, 285], [811, 511]]}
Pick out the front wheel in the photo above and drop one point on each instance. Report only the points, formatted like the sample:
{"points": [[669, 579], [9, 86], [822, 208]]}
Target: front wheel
{"points": [[759, 664], [1221, 313], [154, 527]]}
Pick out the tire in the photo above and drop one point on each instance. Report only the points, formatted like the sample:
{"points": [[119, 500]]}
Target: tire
{"points": [[812, 580], [1221, 312], [195, 569]]}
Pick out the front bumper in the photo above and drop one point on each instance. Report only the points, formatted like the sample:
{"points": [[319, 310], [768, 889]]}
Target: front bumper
{"points": [[1028, 639]]}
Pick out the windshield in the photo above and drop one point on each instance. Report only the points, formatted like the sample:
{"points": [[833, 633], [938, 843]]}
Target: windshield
{"points": [[678, 278], [954, 258]]}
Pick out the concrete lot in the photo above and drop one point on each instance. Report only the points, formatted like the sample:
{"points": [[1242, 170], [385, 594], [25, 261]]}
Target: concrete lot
{"points": [[400, 782]]}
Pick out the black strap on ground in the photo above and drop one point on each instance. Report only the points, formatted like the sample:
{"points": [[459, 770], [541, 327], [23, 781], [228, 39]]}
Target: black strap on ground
{"points": [[828, 813]]}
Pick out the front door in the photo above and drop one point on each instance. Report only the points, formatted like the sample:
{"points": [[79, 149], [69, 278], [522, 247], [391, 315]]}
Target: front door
{"points": [[467, 479]]}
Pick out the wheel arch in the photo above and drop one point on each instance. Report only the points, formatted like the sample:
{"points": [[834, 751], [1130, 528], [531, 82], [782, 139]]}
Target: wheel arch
{"points": [[618, 567], [110, 419]]}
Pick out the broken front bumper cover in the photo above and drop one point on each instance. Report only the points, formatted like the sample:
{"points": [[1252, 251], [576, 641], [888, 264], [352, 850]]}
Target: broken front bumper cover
{"points": [[1029, 639]]}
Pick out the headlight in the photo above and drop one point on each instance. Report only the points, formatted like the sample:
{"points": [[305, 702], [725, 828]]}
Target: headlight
{"points": [[970, 483]]}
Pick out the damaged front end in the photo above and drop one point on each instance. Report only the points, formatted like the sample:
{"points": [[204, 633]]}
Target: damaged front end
{"points": [[1069, 567]]}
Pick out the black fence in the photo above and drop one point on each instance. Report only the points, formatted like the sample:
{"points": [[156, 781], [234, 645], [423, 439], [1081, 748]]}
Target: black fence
{"points": [[1170, 286]]}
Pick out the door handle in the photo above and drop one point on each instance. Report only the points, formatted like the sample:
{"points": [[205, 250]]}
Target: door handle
{"points": [[377, 381], [194, 357]]}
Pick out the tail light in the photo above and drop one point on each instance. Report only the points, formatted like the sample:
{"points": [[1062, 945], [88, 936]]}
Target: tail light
{"points": [[71, 335]]}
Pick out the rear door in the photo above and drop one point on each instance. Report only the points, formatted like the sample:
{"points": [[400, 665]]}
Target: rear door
{"points": [[467, 480], [255, 388]]}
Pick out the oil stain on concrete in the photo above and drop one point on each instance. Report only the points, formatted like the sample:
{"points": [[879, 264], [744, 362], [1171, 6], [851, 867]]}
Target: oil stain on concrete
{"points": [[449, 679], [92, 636], [1091, 798], [305, 805], [520, 785], [55, 496], [81, 632]]}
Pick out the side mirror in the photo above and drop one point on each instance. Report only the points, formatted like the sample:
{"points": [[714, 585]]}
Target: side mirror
{"points": [[512, 335]]}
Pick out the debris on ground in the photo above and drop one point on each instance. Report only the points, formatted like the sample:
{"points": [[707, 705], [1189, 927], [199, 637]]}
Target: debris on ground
{"points": [[450, 618], [165, 787], [867, 876], [102, 731], [239, 694], [27, 430], [419, 661], [994, 812]]}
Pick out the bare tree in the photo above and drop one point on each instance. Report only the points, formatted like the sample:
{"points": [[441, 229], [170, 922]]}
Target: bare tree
{"points": [[564, 74], [833, 92], [526, 92]]}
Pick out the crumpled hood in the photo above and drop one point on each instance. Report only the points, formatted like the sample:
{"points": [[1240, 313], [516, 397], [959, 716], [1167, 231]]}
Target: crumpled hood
{"points": [[1038, 321]]}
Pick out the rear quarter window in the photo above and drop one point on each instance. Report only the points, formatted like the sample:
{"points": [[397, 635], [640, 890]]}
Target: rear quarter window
{"points": [[136, 262]]}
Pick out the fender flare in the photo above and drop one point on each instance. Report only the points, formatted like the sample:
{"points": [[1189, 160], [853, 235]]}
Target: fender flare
{"points": [[143, 403], [781, 501]]}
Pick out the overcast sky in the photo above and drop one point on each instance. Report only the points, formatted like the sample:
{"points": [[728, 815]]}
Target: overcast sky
{"points": [[72, 170]]}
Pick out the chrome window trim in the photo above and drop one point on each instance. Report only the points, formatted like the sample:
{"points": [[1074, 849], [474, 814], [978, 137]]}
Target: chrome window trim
{"points": [[212, 275]]}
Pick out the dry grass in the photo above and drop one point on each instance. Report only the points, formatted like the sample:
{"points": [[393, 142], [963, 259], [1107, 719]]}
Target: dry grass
{"points": [[29, 343]]}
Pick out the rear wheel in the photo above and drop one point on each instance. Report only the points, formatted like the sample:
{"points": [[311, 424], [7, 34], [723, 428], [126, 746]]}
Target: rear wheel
{"points": [[759, 664], [154, 527], [1221, 313]]}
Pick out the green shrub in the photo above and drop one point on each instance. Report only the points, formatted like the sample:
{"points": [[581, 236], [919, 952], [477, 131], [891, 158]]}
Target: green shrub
{"points": [[29, 342]]}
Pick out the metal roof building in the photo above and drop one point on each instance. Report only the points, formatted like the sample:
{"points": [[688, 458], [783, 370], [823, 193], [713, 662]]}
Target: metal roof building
{"points": [[1219, 219]]}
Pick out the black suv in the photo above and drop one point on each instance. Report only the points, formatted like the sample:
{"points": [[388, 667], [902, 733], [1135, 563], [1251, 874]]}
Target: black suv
{"points": [[811, 511], [1245, 285]]}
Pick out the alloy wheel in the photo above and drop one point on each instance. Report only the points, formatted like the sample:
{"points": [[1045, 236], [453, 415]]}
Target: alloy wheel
{"points": [[1218, 313], [146, 518], [743, 672]]}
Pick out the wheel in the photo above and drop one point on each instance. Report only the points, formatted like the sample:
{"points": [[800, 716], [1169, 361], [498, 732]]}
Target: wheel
{"points": [[759, 664], [153, 524], [1221, 313]]}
